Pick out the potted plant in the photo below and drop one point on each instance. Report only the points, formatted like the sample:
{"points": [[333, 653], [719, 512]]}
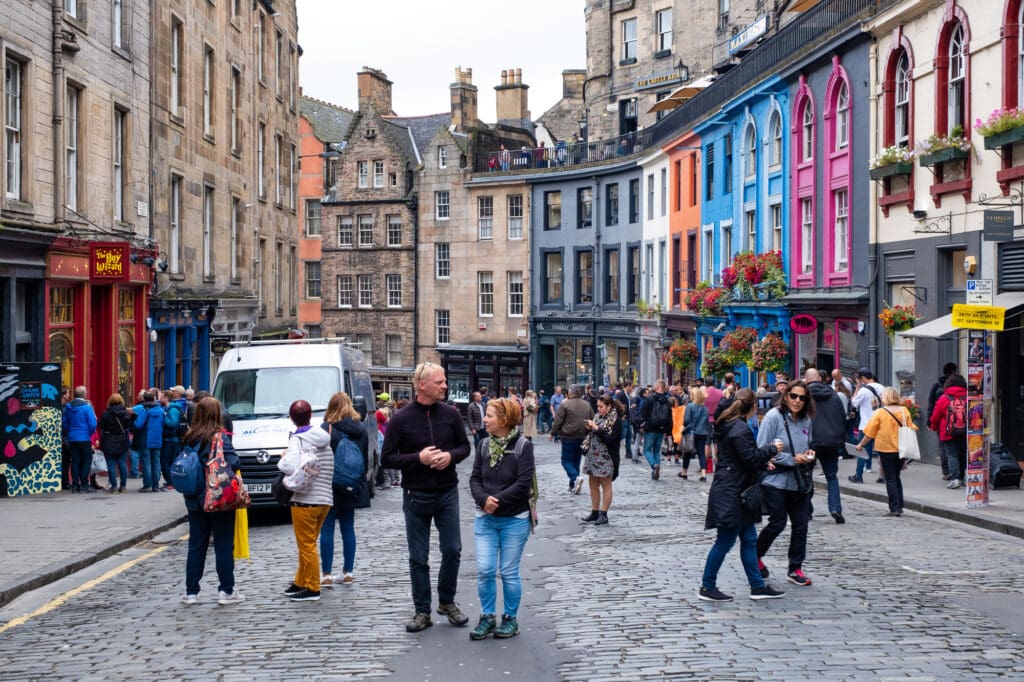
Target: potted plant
{"points": [[770, 354], [716, 363], [738, 344], [1002, 127], [894, 160], [681, 355], [898, 318], [936, 149], [641, 307]]}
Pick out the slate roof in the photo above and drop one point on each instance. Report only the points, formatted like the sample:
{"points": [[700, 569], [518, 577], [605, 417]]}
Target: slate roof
{"points": [[422, 128], [330, 123]]}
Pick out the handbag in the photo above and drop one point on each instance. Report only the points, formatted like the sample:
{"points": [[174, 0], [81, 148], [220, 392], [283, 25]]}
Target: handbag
{"points": [[686, 443], [802, 473], [907, 439], [279, 491], [752, 497], [224, 488]]}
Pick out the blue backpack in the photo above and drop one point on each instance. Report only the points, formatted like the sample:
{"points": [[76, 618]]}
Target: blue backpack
{"points": [[187, 474], [349, 467]]}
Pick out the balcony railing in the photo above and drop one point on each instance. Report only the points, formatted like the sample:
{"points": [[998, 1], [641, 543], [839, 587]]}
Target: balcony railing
{"points": [[564, 154]]}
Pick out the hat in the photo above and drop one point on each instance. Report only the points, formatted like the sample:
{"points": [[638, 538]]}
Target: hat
{"points": [[866, 373], [383, 396]]}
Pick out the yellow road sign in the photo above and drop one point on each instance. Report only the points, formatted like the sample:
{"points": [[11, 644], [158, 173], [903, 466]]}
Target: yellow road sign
{"points": [[978, 317]]}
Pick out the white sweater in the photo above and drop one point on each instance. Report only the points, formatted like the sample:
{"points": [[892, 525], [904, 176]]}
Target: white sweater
{"points": [[318, 440]]}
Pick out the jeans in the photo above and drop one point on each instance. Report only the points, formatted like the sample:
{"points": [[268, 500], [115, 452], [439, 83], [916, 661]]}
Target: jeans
{"points": [[780, 504], [862, 461], [81, 462], [627, 437], [891, 465], [346, 517], [572, 454], [726, 538], [169, 450], [307, 522], [829, 458], [652, 448], [200, 526], [117, 463], [698, 445], [420, 508], [149, 462], [133, 465], [499, 546], [955, 453]]}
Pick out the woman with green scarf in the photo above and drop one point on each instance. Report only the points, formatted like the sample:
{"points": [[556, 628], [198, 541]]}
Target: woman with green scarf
{"points": [[601, 447], [502, 485]]}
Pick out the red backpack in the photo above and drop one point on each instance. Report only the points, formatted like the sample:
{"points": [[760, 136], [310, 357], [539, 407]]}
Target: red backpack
{"points": [[956, 417]]}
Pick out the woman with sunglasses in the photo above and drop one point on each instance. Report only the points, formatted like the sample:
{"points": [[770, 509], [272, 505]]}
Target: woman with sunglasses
{"points": [[787, 488]]}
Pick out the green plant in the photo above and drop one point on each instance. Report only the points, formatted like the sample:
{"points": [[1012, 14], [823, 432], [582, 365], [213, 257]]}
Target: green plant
{"points": [[770, 354], [738, 344], [681, 354], [898, 318], [893, 154], [1000, 121], [754, 273], [641, 306], [716, 363], [936, 142]]}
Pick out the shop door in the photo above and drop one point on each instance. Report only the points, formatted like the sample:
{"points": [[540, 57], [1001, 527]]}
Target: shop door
{"points": [[102, 375], [1010, 390]]}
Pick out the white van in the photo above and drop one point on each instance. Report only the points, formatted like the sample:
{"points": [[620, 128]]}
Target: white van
{"points": [[257, 383]]}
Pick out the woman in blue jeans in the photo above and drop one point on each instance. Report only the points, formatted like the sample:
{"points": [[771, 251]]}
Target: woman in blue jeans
{"points": [[740, 463], [341, 418], [502, 486]]}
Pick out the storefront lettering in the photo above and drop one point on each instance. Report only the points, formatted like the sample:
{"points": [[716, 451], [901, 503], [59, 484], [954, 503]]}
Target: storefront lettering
{"points": [[804, 323], [108, 261], [580, 327]]}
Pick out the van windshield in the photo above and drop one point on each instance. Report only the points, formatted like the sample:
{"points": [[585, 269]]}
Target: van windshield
{"points": [[270, 391]]}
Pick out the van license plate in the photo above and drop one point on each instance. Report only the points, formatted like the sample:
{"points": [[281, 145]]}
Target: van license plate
{"points": [[258, 488]]}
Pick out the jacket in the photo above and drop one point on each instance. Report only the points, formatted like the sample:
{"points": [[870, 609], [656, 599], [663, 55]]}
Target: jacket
{"points": [[415, 427], [510, 480], [150, 420], [570, 418], [829, 421], [317, 441], [475, 415], [115, 429], [173, 416], [937, 420], [774, 426], [647, 408], [696, 420], [195, 502], [884, 427], [740, 462], [354, 430], [78, 420]]}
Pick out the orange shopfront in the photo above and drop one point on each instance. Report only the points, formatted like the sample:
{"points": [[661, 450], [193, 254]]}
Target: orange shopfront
{"points": [[97, 301]]}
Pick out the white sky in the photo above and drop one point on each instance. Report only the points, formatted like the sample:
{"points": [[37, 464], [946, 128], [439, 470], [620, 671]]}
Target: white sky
{"points": [[418, 44]]}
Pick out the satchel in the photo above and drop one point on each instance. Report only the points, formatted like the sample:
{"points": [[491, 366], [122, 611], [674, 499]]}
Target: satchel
{"points": [[908, 446], [686, 443], [280, 492], [752, 497], [224, 488]]}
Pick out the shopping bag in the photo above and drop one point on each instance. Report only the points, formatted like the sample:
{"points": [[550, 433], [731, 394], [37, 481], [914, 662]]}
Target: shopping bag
{"points": [[99, 463], [242, 534]]}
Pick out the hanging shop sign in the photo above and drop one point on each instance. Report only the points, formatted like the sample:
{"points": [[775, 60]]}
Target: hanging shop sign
{"points": [[804, 323], [108, 262]]}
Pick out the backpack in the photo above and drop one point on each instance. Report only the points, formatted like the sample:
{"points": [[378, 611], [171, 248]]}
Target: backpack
{"points": [[660, 417], [187, 474], [956, 418], [349, 467], [183, 422]]}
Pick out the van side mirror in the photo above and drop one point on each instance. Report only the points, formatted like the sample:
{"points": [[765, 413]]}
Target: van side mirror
{"points": [[359, 402]]}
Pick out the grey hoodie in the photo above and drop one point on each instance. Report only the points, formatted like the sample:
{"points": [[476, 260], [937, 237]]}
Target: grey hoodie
{"points": [[772, 427], [320, 441]]}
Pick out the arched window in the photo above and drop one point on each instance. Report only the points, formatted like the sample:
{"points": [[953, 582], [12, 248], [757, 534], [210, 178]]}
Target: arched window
{"points": [[901, 101], [750, 146], [957, 75], [807, 133], [775, 139], [842, 117]]}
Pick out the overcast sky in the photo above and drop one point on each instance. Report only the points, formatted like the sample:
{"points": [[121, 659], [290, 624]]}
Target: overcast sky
{"points": [[418, 44]]}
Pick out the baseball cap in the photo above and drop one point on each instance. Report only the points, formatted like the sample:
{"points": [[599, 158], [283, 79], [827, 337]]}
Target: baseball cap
{"points": [[866, 373], [383, 396]]}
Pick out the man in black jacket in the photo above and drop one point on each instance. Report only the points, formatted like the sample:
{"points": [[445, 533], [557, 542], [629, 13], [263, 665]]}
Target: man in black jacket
{"points": [[426, 439], [655, 425], [828, 436]]}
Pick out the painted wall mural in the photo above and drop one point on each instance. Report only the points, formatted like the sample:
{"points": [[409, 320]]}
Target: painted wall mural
{"points": [[30, 428]]}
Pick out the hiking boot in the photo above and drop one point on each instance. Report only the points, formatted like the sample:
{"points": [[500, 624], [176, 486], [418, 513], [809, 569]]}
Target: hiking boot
{"points": [[838, 516], [713, 594], [454, 614], [761, 567], [591, 517], [305, 595], [225, 599], [509, 628], [292, 589], [419, 622], [854, 479], [797, 577], [766, 592], [602, 519], [484, 627]]}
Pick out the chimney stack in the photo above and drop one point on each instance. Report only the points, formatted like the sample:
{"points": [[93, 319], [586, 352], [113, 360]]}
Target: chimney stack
{"points": [[463, 95], [512, 100], [572, 83], [375, 88]]}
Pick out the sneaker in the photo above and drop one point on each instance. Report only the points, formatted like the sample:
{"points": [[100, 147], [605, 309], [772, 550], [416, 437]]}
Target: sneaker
{"points": [[867, 470], [656, 474], [579, 486], [146, 490], [347, 578], [761, 567], [797, 577], [509, 628], [167, 488], [766, 592], [454, 613], [880, 479], [327, 581], [714, 594], [419, 622], [111, 490], [225, 599], [854, 479], [305, 595], [190, 599], [838, 516], [484, 627], [954, 484], [292, 589], [121, 489]]}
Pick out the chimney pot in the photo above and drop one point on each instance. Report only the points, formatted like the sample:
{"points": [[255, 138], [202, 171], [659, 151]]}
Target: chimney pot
{"points": [[504, 77]]}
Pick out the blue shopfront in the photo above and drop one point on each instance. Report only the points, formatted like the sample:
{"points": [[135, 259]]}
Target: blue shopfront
{"points": [[764, 318], [179, 352]]}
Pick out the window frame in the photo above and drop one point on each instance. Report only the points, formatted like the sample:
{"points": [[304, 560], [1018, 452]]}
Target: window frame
{"points": [[174, 224], [841, 235], [442, 204], [346, 226], [485, 293], [362, 174], [613, 276], [516, 287], [364, 290], [750, 148], [311, 277], [176, 65], [806, 205], [516, 215], [442, 260], [485, 217], [14, 75], [365, 225], [553, 280], [442, 327], [393, 287], [842, 116], [208, 89], [313, 226], [629, 39], [584, 207], [663, 30], [72, 142], [775, 139], [118, 149], [442, 157], [611, 204], [346, 292], [553, 209], [393, 350], [209, 200], [378, 173], [395, 228], [584, 276]]}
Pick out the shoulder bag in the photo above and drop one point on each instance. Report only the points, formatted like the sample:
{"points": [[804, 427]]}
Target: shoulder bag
{"points": [[224, 488], [908, 446], [803, 473]]}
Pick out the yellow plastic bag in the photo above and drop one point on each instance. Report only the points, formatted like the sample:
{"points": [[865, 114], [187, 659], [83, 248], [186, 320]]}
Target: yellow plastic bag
{"points": [[241, 533]]}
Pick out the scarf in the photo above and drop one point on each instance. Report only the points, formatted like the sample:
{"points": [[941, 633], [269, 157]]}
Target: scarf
{"points": [[604, 423], [496, 446]]}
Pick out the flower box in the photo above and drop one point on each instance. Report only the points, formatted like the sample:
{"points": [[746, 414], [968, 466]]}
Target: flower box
{"points": [[1004, 138], [900, 168], [943, 155]]}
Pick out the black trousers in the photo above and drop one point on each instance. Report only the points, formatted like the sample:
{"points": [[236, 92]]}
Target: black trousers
{"points": [[782, 504]]}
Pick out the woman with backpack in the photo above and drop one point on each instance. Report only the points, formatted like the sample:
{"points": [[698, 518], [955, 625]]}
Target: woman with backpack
{"points": [[949, 420], [884, 428], [115, 426], [206, 428], [342, 420]]}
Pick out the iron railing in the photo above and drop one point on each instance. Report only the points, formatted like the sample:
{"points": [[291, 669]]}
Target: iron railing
{"points": [[563, 154]]}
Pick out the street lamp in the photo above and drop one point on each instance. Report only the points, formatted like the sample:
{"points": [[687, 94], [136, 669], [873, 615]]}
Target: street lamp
{"points": [[584, 124], [683, 71]]}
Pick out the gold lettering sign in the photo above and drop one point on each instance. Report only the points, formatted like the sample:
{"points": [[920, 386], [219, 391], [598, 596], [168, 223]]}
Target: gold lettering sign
{"points": [[108, 261]]}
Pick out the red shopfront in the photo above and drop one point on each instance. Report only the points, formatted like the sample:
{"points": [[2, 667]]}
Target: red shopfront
{"points": [[97, 301]]}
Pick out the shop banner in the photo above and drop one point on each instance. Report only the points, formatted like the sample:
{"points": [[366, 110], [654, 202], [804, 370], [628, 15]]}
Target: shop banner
{"points": [[979, 400]]}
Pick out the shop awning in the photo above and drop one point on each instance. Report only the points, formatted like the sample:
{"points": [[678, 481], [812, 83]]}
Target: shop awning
{"points": [[682, 94], [943, 326]]}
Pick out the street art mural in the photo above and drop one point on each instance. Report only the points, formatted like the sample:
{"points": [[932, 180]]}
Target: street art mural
{"points": [[30, 428]]}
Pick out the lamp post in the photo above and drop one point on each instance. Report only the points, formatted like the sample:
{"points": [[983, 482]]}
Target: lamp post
{"points": [[584, 124], [683, 71]]}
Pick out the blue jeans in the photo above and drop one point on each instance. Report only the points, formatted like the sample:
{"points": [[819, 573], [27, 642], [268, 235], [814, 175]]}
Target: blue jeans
{"points": [[346, 517], [572, 454], [829, 458], [652, 448], [862, 461], [117, 463], [169, 450], [81, 462], [747, 534], [149, 462], [499, 546], [133, 466], [420, 509], [627, 436], [200, 526]]}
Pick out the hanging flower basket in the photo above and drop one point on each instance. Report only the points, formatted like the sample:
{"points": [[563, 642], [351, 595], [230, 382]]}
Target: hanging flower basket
{"points": [[770, 354], [999, 140], [1002, 127], [738, 344], [756, 276], [898, 168], [716, 363], [681, 355], [898, 318]]}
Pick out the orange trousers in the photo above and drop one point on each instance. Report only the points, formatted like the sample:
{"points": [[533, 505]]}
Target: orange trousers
{"points": [[306, 521]]}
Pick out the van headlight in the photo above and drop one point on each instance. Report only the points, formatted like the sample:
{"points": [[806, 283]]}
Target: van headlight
{"points": [[263, 457]]}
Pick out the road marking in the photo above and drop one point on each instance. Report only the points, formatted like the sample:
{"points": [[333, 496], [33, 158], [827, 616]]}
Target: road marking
{"points": [[920, 572], [60, 600]]}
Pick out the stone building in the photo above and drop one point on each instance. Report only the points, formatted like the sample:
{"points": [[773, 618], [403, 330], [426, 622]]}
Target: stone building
{"points": [[224, 94]]}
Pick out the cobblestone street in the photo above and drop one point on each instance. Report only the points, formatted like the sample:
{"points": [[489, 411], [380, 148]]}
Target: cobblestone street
{"points": [[912, 597]]}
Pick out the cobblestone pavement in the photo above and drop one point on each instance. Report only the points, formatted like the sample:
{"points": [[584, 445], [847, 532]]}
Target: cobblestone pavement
{"points": [[913, 597]]}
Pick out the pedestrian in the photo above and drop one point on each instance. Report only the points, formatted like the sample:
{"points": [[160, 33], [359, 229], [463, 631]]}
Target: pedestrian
{"points": [[385, 408], [502, 485], [475, 416], [740, 465], [513, 394], [636, 405], [206, 429], [601, 449], [529, 412], [342, 419], [426, 440], [149, 428], [884, 428], [504, 158], [866, 399], [696, 423], [174, 426], [115, 428], [543, 412], [933, 397], [556, 401], [79, 422], [65, 446], [675, 445], [787, 488], [621, 396], [308, 507], [570, 426], [828, 426], [953, 444], [138, 436], [656, 416]]}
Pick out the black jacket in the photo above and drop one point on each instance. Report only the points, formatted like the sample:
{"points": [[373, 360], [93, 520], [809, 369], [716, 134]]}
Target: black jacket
{"points": [[645, 413], [415, 427], [511, 480], [739, 463], [115, 428], [829, 421], [195, 502], [355, 431]]}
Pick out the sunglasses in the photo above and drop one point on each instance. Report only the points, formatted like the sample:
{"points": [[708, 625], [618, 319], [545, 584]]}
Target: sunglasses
{"points": [[798, 396]]}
